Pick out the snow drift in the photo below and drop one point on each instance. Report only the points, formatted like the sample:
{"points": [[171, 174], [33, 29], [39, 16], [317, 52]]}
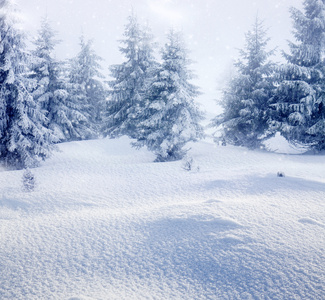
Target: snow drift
{"points": [[105, 222]]}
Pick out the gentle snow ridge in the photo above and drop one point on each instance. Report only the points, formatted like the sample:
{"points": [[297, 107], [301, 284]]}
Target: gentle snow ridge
{"points": [[105, 222]]}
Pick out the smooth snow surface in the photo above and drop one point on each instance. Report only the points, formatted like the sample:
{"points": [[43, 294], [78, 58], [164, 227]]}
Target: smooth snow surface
{"points": [[105, 222], [279, 144]]}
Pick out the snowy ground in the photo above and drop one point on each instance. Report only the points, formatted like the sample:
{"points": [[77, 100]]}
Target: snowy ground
{"points": [[105, 222]]}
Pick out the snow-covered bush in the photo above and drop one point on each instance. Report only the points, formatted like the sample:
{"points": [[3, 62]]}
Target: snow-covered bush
{"points": [[28, 181], [188, 164], [280, 174]]}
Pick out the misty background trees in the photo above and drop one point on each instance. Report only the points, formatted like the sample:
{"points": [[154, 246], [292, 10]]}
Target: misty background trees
{"points": [[149, 96], [170, 117], [288, 98], [244, 121]]}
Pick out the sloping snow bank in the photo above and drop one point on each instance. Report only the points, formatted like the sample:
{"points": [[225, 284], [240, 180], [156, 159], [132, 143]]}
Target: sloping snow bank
{"points": [[105, 222], [279, 144]]}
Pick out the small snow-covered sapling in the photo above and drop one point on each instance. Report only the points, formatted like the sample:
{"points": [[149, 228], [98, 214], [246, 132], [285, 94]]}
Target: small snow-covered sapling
{"points": [[187, 163], [28, 181]]}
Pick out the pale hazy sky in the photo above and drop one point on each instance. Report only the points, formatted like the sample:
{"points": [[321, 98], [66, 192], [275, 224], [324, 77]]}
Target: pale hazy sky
{"points": [[213, 29]]}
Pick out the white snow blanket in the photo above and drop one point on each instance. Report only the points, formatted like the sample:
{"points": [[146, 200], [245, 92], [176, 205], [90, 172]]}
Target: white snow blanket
{"points": [[106, 222]]}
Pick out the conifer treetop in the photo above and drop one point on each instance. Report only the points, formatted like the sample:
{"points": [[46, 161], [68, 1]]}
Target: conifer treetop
{"points": [[309, 32]]}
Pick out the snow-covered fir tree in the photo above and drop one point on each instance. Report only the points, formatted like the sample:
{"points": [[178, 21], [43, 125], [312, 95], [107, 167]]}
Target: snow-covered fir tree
{"points": [[244, 121], [51, 89], [298, 105], [86, 84], [131, 79], [24, 141], [171, 117]]}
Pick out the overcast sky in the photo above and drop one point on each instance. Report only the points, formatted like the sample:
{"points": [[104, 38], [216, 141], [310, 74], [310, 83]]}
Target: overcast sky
{"points": [[213, 29]]}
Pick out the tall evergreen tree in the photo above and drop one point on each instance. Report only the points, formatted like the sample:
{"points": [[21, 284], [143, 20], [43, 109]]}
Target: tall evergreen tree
{"points": [[244, 121], [130, 81], [86, 84], [171, 117], [64, 113], [23, 138], [298, 105]]}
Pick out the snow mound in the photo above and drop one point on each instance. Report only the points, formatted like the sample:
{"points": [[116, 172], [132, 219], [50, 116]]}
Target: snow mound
{"points": [[279, 144], [106, 222]]}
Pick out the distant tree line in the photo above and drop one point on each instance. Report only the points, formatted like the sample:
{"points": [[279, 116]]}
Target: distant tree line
{"points": [[152, 102], [45, 101], [264, 98]]}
